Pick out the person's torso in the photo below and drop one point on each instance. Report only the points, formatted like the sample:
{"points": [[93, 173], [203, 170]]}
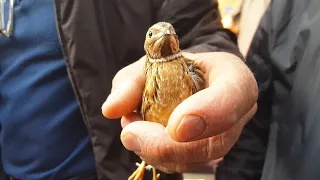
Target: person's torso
{"points": [[43, 135], [99, 38], [294, 144]]}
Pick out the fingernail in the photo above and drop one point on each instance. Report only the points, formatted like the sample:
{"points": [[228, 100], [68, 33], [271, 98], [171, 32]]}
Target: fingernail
{"points": [[190, 128], [131, 142]]}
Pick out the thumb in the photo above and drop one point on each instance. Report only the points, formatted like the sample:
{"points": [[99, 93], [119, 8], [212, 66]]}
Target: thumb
{"points": [[231, 95]]}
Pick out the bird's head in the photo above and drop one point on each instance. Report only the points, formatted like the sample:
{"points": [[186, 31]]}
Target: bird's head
{"points": [[161, 41]]}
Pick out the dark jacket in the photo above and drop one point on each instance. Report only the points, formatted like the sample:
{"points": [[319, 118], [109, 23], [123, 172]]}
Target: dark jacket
{"points": [[99, 37], [282, 142]]}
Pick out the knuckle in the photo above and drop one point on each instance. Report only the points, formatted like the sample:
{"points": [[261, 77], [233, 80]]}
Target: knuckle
{"points": [[197, 151], [226, 143], [210, 149], [215, 147], [223, 148]]}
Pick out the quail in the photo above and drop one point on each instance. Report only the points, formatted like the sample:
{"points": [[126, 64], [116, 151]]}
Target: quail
{"points": [[170, 79]]}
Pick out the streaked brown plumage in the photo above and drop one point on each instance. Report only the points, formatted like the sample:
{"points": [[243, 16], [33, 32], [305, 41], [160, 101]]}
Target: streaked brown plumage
{"points": [[167, 85], [170, 78]]}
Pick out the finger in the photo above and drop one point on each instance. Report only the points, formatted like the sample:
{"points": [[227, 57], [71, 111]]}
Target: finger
{"points": [[172, 167], [151, 141], [232, 135], [232, 92], [214, 162], [129, 118], [126, 93]]}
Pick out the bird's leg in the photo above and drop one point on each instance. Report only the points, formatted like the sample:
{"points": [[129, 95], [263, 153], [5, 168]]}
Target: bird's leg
{"points": [[139, 173], [155, 175]]}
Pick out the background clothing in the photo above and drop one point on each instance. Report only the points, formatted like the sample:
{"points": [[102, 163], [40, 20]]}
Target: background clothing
{"points": [[43, 135], [282, 141]]}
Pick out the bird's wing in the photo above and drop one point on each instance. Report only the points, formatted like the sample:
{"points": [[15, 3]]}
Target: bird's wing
{"points": [[149, 94], [196, 74]]}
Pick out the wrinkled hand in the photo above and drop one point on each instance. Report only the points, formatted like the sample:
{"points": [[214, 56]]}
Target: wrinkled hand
{"points": [[202, 128]]}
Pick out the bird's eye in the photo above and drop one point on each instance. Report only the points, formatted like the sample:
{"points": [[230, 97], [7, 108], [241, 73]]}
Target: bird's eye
{"points": [[150, 34]]}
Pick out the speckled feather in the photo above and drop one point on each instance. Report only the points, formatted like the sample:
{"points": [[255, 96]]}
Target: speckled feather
{"points": [[168, 81]]}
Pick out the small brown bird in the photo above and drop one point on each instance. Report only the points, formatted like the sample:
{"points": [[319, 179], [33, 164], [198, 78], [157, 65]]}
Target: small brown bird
{"points": [[170, 79]]}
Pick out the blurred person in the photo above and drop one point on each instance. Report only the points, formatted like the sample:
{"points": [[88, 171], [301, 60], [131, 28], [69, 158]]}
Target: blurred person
{"points": [[57, 61], [230, 11], [242, 17], [250, 16], [282, 141]]}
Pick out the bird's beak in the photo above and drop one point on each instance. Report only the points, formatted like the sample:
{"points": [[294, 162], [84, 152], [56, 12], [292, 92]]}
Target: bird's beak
{"points": [[167, 32]]}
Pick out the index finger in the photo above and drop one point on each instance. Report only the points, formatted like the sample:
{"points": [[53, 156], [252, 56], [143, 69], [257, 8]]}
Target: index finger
{"points": [[152, 142], [126, 93]]}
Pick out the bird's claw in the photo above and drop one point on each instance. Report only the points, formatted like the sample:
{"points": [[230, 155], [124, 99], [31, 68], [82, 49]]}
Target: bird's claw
{"points": [[139, 173], [149, 167]]}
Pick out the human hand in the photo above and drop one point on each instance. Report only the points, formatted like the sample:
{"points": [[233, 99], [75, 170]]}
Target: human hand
{"points": [[204, 127]]}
